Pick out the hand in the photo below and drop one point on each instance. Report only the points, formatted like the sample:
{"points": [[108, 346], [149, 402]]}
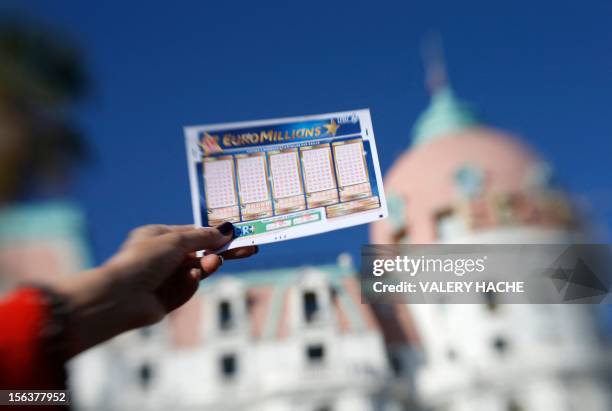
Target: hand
{"points": [[154, 272]]}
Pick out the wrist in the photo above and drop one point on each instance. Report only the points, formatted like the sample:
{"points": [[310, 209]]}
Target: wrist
{"points": [[84, 290], [91, 302]]}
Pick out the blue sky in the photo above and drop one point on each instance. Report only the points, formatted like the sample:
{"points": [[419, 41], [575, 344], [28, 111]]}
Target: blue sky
{"points": [[543, 71]]}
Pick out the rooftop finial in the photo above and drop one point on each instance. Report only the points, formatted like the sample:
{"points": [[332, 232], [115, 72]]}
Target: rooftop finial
{"points": [[445, 114], [433, 60]]}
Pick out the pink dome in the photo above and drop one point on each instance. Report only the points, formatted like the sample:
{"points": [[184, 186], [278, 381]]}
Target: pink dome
{"points": [[425, 182]]}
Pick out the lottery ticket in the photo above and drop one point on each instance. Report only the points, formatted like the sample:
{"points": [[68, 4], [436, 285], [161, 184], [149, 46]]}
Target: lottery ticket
{"points": [[255, 199], [351, 169], [319, 177], [287, 185], [220, 189], [285, 172], [286, 178]]}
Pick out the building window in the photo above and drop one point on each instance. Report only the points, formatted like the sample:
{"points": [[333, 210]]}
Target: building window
{"points": [[315, 354], [400, 236], [470, 181], [450, 225], [513, 405], [146, 332], [505, 206], [396, 363], [500, 344], [145, 375], [251, 301], [226, 318], [491, 301], [311, 306], [229, 366]]}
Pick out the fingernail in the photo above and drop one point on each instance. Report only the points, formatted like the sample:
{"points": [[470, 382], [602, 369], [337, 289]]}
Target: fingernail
{"points": [[226, 228], [196, 273], [256, 250], [221, 260]]}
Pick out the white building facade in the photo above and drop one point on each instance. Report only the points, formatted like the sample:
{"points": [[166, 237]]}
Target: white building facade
{"points": [[294, 339], [461, 182]]}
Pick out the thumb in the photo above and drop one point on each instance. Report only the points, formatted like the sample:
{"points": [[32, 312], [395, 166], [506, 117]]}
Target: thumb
{"points": [[204, 238]]}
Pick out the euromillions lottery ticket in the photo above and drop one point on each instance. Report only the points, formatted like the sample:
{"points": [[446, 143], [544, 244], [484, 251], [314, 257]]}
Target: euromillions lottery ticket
{"points": [[286, 178]]}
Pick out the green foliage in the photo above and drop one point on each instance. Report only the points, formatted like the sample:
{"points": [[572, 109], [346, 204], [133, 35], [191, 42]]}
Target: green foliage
{"points": [[39, 66], [41, 77]]}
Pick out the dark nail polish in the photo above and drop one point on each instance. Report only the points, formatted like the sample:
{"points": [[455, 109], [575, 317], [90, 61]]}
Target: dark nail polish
{"points": [[227, 228], [256, 250]]}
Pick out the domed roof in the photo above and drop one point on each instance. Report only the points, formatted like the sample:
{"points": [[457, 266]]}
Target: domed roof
{"points": [[460, 176], [445, 114]]}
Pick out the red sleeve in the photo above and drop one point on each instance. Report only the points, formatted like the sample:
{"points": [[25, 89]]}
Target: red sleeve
{"points": [[25, 362]]}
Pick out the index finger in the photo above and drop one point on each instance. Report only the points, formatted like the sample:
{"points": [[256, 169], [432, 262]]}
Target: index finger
{"points": [[198, 239]]}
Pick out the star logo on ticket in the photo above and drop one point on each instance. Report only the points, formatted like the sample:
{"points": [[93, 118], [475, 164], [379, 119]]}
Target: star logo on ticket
{"points": [[332, 127], [210, 144]]}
